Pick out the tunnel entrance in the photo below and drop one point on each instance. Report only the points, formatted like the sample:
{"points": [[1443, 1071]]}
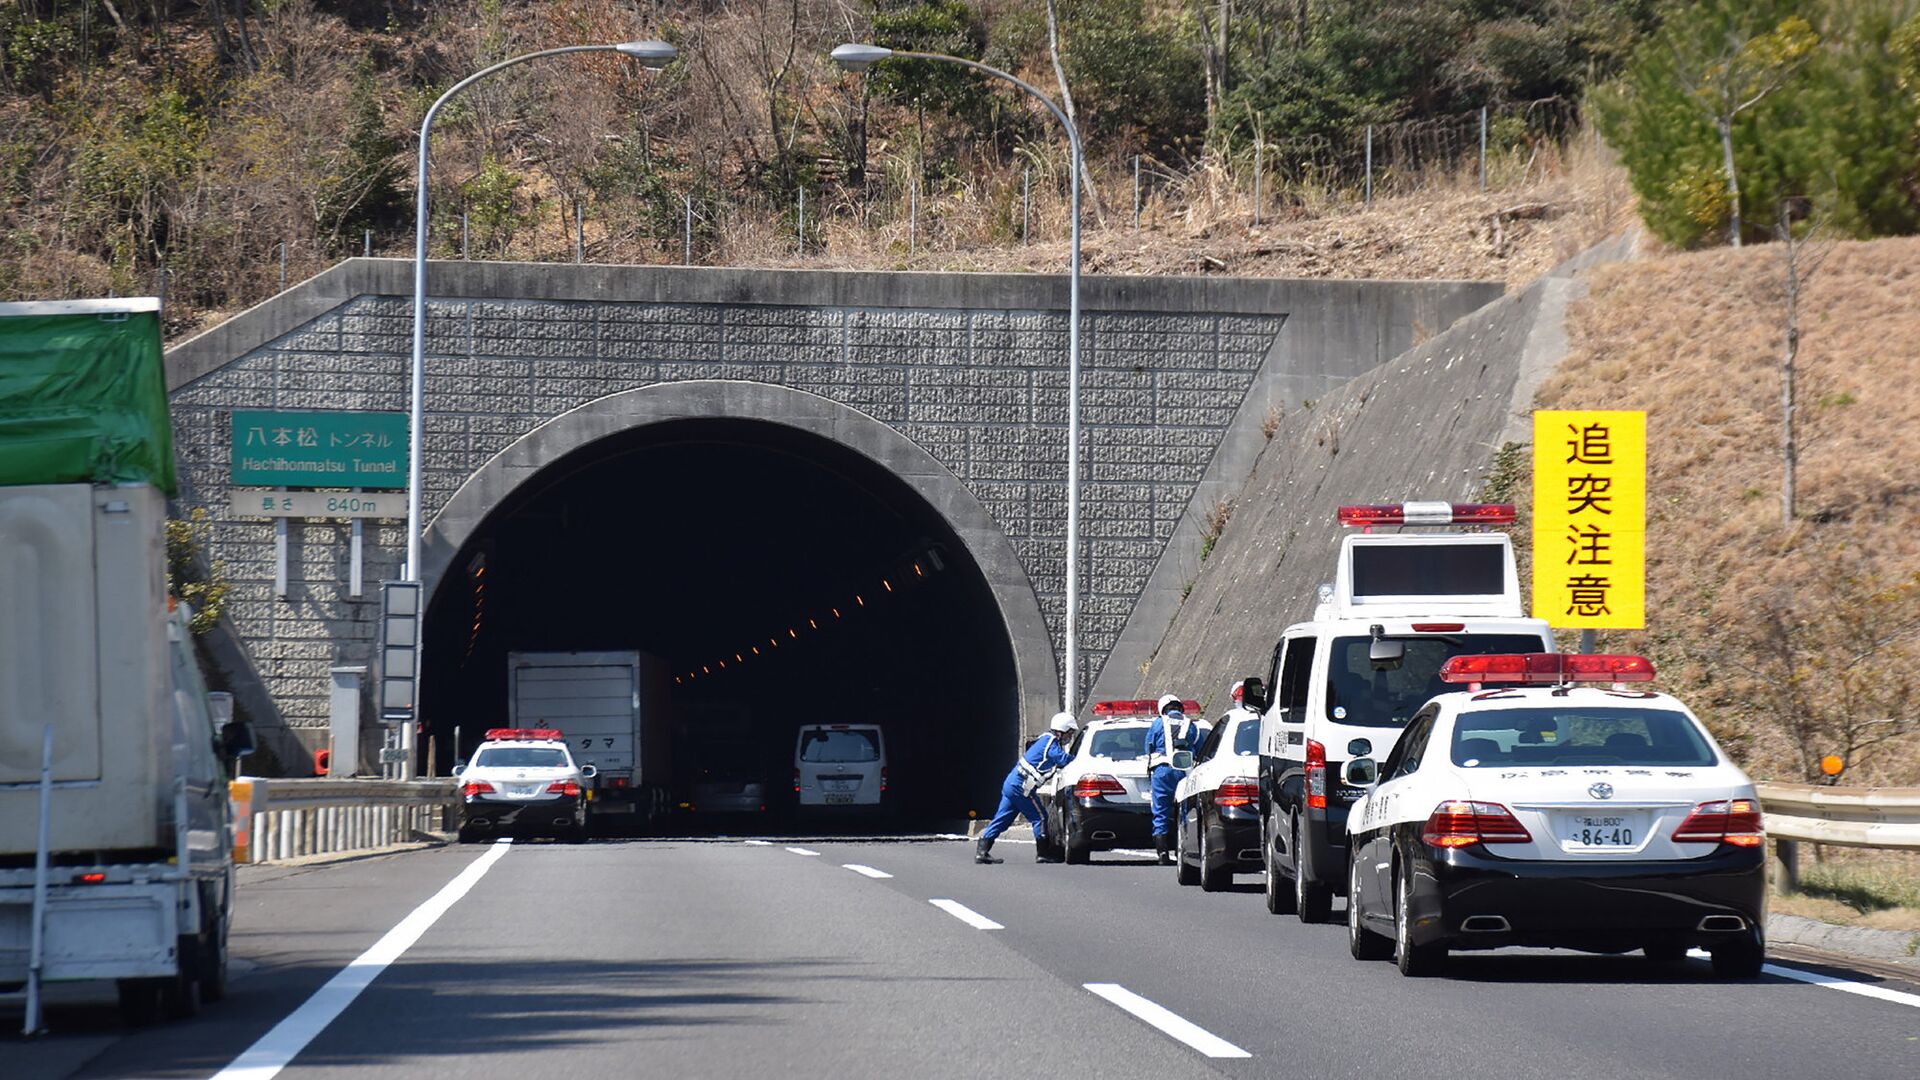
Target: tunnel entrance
{"points": [[782, 578]]}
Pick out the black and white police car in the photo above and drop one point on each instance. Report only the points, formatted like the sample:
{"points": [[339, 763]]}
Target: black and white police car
{"points": [[1533, 807], [523, 781], [1217, 830], [1099, 800]]}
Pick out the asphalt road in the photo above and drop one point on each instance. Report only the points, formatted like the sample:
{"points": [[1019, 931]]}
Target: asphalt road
{"points": [[737, 959]]}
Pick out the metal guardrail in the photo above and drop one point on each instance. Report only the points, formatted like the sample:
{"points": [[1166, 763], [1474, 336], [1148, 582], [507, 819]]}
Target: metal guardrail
{"points": [[1847, 817], [275, 820]]}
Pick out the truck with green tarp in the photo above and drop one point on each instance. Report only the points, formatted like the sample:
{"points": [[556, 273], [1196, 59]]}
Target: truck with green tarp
{"points": [[115, 846]]}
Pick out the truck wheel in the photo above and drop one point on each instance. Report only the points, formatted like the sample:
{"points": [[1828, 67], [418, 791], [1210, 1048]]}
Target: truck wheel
{"points": [[139, 1001], [213, 967], [180, 993]]}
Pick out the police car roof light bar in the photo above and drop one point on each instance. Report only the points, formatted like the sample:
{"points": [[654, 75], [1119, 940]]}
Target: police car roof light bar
{"points": [[1546, 668], [507, 734], [1145, 708], [1428, 513]]}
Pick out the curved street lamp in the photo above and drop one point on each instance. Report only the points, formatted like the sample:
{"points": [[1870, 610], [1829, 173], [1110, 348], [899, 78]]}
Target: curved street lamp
{"points": [[858, 57], [653, 55]]}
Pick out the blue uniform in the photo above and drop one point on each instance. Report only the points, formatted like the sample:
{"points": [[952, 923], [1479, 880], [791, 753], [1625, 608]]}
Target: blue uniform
{"points": [[1165, 777], [1046, 755]]}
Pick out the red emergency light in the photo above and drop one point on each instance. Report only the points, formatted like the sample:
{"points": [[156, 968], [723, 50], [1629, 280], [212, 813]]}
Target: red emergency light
{"points": [[1428, 513], [509, 734], [1548, 668], [1144, 707]]}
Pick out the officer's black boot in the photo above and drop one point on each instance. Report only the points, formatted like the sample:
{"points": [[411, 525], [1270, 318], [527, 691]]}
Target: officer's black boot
{"points": [[983, 853], [1161, 845]]}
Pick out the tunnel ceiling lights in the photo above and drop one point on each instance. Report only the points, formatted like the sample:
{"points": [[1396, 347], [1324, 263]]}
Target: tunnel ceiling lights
{"points": [[913, 561]]}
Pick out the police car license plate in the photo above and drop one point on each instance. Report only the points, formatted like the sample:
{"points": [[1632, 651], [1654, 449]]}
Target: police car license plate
{"points": [[1601, 830], [836, 799]]}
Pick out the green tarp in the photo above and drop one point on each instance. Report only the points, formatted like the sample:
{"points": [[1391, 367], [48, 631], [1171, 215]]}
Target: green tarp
{"points": [[83, 394]]}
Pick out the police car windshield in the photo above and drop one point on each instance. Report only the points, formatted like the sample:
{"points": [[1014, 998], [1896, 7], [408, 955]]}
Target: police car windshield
{"points": [[1570, 736], [520, 757], [1119, 743], [1246, 737], [1359, 694], [843, 747]]}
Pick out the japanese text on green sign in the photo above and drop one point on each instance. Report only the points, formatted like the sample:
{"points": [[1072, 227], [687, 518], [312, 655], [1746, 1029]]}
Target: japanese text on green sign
{"points": [[320, 449]]}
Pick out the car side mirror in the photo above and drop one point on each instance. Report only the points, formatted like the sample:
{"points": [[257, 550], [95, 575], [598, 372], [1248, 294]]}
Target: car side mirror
{"points": [[458, 769], [589, 771], [1182, 760], [236, 739], [1253, 693], [1361, 772]]}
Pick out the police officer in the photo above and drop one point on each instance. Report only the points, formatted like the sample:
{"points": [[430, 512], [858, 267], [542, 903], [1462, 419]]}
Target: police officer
{"points": [[1034, 767], [1170, 731]]}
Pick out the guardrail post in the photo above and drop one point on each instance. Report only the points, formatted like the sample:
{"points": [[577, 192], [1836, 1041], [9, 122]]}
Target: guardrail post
{"points": [[1786, 866]]}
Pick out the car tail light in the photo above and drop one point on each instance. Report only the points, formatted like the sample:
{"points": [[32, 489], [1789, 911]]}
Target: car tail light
{"points": [[796, 781], [1237, 791], [475, 787], [619, 781], [883, 778], [1458, 823], [563, 787], [1316, 775], [1094, 785], [92, 877], [1728, 821]]}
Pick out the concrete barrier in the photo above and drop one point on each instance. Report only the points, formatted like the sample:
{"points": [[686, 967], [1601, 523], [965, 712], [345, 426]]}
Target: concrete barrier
{"points": [[277, 820]]}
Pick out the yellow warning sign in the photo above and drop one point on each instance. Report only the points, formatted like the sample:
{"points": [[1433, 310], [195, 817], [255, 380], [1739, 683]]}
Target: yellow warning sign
{"points": [[1590, 519]]}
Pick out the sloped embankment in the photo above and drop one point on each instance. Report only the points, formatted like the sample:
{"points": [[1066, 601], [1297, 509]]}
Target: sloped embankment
{"points": [[1424, 426]]}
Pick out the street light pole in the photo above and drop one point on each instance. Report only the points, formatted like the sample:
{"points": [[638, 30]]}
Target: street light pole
{"points": [[651, 54], [858, 57]]}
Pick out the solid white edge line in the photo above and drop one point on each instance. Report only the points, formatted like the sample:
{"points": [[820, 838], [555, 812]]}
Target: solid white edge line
{"points": [[866, 871], [1831, 982], [1169, 1022], [966, 914], [278, 1047]]}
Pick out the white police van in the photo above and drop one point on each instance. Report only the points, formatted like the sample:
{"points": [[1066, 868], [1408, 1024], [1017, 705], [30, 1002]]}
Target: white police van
{"points": [[1347, 682], [1533, 808]]}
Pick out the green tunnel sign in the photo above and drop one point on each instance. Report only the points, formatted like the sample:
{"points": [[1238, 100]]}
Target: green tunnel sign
{"points": [[319, 449]]}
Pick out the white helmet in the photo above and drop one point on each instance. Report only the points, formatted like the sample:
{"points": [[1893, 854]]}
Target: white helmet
{"points": [[1063, 722], [1169, 702]]}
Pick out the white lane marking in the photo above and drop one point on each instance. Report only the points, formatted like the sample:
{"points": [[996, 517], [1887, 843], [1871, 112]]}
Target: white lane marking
{"points": [[802, 851], [866, 871], [1169, 1022], [966, 914], [758, 843], [1136, 851], [951, 836], [1831, 982], [274, 1050]]}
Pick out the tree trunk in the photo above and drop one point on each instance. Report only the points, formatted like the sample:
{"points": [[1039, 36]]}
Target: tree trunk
{"points": [[1725, 123], [1066, 103]]}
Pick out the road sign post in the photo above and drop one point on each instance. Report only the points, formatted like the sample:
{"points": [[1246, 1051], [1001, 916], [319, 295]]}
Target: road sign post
{"points": [[1590, 519]]}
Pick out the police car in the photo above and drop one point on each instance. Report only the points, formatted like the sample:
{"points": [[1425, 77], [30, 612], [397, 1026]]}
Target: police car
{"points": [[523, 781], [1533, 807], [1217, 828], [1347, 682], [1098, 800]]}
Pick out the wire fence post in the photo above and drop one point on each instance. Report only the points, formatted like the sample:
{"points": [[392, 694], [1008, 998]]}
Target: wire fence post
{"points": [[1136, 191], [1369, 164], [283, 266], [686, 254], [579, 232], [802, 229], [366, 243], [1026, 204], [1259, 173], [463, 234], [913, 214], [1483, 148]]}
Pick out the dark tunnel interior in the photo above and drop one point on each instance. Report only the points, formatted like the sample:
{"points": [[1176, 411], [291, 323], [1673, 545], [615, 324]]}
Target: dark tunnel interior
{"points": [[784, 580]]}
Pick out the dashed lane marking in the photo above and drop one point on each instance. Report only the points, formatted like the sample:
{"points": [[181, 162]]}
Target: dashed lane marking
{"points": [[758, 843], [866, 871], [802, 851], [274, 1050], [966, 914], [1169, 1022]]}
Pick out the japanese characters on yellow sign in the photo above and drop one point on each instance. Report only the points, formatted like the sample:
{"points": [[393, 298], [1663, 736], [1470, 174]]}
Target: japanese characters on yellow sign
{"points": [[1590, 519]]}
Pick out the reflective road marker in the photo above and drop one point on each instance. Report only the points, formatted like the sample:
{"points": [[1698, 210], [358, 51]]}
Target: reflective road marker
{"points": [[1168, 1021], [966, 914]]}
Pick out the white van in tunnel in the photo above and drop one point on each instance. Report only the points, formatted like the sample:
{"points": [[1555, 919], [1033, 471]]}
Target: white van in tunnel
{"points": [[840, 765]]}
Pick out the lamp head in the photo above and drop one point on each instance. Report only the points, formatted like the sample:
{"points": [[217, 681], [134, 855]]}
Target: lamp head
{"points": [[859, 57], [653, 55]]}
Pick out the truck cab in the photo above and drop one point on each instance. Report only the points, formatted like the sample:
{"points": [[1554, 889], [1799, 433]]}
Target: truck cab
{"points": [[1347, 681]]}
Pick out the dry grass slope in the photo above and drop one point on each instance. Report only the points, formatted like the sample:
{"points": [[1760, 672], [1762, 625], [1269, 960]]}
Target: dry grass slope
{"points": [[1793, 641]]}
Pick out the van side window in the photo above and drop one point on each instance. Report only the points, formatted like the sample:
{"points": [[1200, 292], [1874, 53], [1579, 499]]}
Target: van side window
{"points": [[1296, 671]]}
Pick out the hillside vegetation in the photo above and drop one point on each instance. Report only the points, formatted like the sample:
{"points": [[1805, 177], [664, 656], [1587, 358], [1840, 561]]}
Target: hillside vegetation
{"points": [[1794, 639]]}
